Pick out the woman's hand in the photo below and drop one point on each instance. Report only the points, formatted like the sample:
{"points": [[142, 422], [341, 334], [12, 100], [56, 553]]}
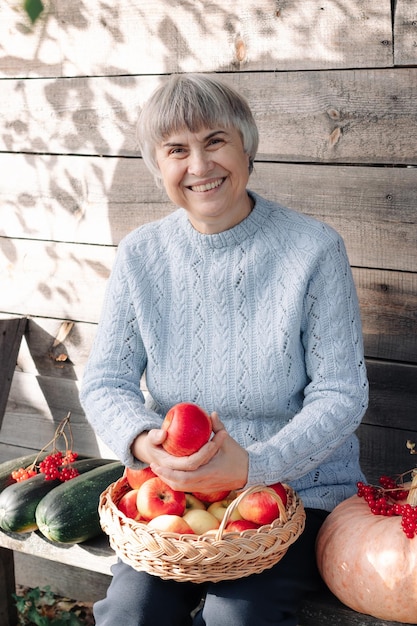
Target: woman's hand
{"points": [[220, 464]]}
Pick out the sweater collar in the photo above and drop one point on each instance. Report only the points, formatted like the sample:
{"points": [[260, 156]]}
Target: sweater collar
{"points": [[233, 236]]}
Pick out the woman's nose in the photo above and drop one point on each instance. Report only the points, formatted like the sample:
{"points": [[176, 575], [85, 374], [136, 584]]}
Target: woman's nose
{"points": [[199, 163]]}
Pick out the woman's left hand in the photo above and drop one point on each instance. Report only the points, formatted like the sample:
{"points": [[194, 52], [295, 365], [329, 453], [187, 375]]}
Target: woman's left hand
{"points": [[221, 464]]}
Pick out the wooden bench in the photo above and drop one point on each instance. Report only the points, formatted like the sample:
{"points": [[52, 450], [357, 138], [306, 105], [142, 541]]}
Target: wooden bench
{"points": [[83, 571]]}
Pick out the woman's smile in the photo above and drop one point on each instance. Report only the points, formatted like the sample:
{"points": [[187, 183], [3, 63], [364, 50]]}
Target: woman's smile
{"points": [[203, 187]]}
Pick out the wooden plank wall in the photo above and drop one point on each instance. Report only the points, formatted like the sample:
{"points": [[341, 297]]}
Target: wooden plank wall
{"points": [[333, 86]]}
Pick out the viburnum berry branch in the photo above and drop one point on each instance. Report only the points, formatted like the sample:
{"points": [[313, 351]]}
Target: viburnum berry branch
{"points": [[55, 464], [59, 432]]}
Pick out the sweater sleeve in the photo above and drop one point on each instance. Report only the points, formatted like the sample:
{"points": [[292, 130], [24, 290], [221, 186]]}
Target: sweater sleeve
{"points": [[110, 392], [336, 395]]}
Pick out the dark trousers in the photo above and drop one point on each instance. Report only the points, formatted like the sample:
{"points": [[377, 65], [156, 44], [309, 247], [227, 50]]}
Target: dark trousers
{"points": [[270, 598]]}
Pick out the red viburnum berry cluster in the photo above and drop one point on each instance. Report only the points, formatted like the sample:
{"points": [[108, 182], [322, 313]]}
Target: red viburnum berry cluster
{"points": [[389, 499], [59, 466], [55, 465]]}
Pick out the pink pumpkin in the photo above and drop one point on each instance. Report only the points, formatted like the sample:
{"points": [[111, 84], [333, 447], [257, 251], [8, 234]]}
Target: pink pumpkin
{"points": [[368, 562]]}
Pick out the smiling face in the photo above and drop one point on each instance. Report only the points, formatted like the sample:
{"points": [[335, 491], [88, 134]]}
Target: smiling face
{"points": [[206, 172]]}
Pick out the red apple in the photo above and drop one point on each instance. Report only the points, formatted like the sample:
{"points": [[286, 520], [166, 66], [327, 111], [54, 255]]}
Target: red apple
{"points": [[259, 507], [188, 428], [239, 525], [127, 504], [157, 498], [201, 521], [136, 477], [213, 496], [171, 524], [281, 491]]}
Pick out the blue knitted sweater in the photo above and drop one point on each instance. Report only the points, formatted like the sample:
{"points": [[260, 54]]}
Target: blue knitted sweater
{"points": [[259, 323]]}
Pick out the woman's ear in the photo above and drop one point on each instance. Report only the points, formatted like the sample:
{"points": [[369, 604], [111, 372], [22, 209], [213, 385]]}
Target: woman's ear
{"points": [[250, 165]]}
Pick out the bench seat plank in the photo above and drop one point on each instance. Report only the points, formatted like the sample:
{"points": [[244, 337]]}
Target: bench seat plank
{"points": [[95, 555]]}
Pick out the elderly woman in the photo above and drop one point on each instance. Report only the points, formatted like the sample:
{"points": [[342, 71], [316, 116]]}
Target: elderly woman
{"points": [[248, 309]]}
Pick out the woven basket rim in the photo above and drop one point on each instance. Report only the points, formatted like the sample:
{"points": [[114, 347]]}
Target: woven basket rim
{"points": [[213, 556]]}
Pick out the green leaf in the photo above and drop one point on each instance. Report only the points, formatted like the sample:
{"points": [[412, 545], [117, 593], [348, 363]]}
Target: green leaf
{"points": [[33, 8]]}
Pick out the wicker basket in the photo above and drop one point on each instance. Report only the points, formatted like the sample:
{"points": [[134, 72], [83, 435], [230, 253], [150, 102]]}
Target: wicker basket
{"points": [[201, 558]]}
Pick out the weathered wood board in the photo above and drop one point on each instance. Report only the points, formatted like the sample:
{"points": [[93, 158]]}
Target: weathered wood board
{"points": [[373, 208], [66, 581], [11, 333], [405, 32], [351, 116], [145, 37]]}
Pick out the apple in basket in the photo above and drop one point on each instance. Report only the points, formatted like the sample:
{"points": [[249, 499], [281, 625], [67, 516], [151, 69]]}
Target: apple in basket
{"points": [[239, 525], [136, 477], [281, 491], [191, 502], [155, 498], [261, 507], [188, 428], [170, 524], [201, 521], [128, 504], [218, 509], [213, 496]]}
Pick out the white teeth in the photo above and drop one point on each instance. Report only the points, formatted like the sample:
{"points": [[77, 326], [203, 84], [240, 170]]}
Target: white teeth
{"points": [[212, 185]]}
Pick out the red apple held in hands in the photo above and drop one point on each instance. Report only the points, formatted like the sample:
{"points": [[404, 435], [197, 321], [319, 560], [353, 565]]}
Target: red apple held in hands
{"points": [[239, 525], [136, 477], [188, 428], [127, 504], [213, 496], [171, 524], [259, 507], [155, 498]]}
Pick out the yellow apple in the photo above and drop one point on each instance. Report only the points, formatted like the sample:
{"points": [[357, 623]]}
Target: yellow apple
{"points": [[218, 509], [191, 502], [201, 521], [171, 524]]}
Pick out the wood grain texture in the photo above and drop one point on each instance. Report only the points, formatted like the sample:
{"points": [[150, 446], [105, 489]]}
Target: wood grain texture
{"points": [[373, 208], [11, 333], [350, 116], [405, 32], [392, 396], [323, 609], [146, 37], [81, 555]]}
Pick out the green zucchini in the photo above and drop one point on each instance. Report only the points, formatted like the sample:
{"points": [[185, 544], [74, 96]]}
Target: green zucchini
{"points": [[18, 501], [69, 513], [7, 467]]}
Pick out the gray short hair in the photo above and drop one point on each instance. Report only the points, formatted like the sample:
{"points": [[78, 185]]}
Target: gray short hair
{"points": [[193, 101]]}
